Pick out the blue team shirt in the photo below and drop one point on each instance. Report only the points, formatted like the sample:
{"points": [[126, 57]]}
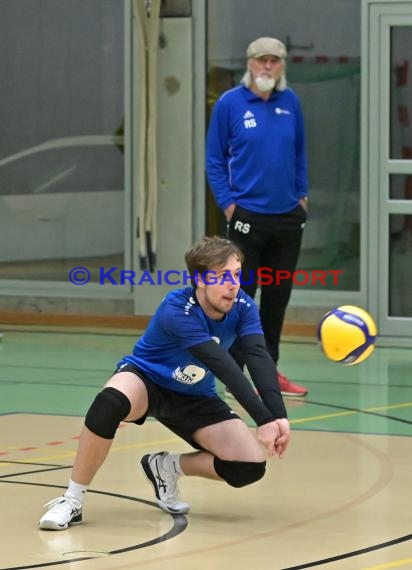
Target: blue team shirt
{"points": [[179, 323], [255, 151]]}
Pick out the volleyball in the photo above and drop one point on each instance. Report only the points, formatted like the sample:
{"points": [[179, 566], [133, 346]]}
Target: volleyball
{"points": [[347, 334]]}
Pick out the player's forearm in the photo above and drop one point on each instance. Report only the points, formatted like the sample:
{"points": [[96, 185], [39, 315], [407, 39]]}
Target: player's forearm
{"points": [[264, 375], [225, 368]]}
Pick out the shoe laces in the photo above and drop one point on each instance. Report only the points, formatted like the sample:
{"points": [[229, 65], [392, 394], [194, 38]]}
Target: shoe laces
{"points": [[64, 504], [166, 481]]}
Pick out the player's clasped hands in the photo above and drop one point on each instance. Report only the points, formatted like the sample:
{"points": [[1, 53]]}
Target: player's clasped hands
{"points": [[282, 441], [274, 436]]}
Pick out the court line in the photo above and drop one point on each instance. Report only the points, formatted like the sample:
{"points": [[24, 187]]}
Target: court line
{"points": [[180, 523], [113, 449], [372, 491], [346, 413], [184, 523], [39, 447], [4, 478], [350, 412], [353, 554], [384, 476], [395, 564]]}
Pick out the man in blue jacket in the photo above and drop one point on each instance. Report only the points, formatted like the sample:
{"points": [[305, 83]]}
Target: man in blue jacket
{"points": [[257, 170]]}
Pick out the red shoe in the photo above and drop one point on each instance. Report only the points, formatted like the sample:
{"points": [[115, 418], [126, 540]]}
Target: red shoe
{"points": [[290, 389]]}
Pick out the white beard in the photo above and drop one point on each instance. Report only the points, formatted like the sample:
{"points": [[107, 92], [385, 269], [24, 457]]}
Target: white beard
{"points": [[265, 84]]}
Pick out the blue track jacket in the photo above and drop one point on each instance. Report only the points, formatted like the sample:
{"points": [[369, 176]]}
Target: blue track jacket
{"points": [[255, 151]]}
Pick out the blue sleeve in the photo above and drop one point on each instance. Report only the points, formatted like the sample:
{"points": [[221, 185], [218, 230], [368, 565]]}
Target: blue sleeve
{"points": [[218, 154], [301, 160]]}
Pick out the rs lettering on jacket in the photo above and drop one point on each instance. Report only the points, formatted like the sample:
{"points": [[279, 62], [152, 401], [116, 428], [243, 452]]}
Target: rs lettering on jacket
{"points": [[249, 123], [241, 227]]}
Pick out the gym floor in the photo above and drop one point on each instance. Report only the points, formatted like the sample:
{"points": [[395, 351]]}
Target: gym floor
{"points": [[340, 499]]}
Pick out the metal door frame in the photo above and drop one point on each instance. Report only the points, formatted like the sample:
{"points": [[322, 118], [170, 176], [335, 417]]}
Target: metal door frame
{"points": [[378, 18]]}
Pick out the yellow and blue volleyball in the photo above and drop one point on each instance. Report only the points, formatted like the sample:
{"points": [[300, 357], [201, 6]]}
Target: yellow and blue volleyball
{"points": [[347, 334]]}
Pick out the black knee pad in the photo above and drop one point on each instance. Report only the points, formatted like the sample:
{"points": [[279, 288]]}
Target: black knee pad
{"points": [[109, 408], [239, 473]]}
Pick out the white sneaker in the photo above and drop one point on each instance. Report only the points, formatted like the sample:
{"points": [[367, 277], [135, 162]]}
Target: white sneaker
{"points": [[61, 513], [164, 483]]}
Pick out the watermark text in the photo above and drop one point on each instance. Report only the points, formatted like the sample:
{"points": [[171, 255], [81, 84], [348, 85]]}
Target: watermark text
{"points": [[264, 276]]}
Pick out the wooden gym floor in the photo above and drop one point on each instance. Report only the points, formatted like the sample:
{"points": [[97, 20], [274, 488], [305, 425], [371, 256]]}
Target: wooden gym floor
{"points": [[341, 498]]}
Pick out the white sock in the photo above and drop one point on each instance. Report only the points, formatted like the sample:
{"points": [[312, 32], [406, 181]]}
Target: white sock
{"points": [[172, 463], [76, 491]]}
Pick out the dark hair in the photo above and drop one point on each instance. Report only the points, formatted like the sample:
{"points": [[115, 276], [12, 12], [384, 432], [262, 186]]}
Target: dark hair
{"points": [[208, 253]]}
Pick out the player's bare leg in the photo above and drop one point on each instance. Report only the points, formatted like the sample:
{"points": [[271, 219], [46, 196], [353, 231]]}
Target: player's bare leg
{"points": [[92, 450]]}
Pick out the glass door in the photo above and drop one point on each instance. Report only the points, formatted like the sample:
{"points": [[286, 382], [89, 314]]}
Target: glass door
{"points": [[389, 152], [62, 159]]}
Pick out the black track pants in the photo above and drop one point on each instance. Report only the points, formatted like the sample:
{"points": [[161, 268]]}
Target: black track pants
{"points": [[268, 241]]}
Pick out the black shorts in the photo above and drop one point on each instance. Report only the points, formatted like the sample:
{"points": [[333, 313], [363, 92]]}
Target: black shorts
{"points": [[182, 414]]}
